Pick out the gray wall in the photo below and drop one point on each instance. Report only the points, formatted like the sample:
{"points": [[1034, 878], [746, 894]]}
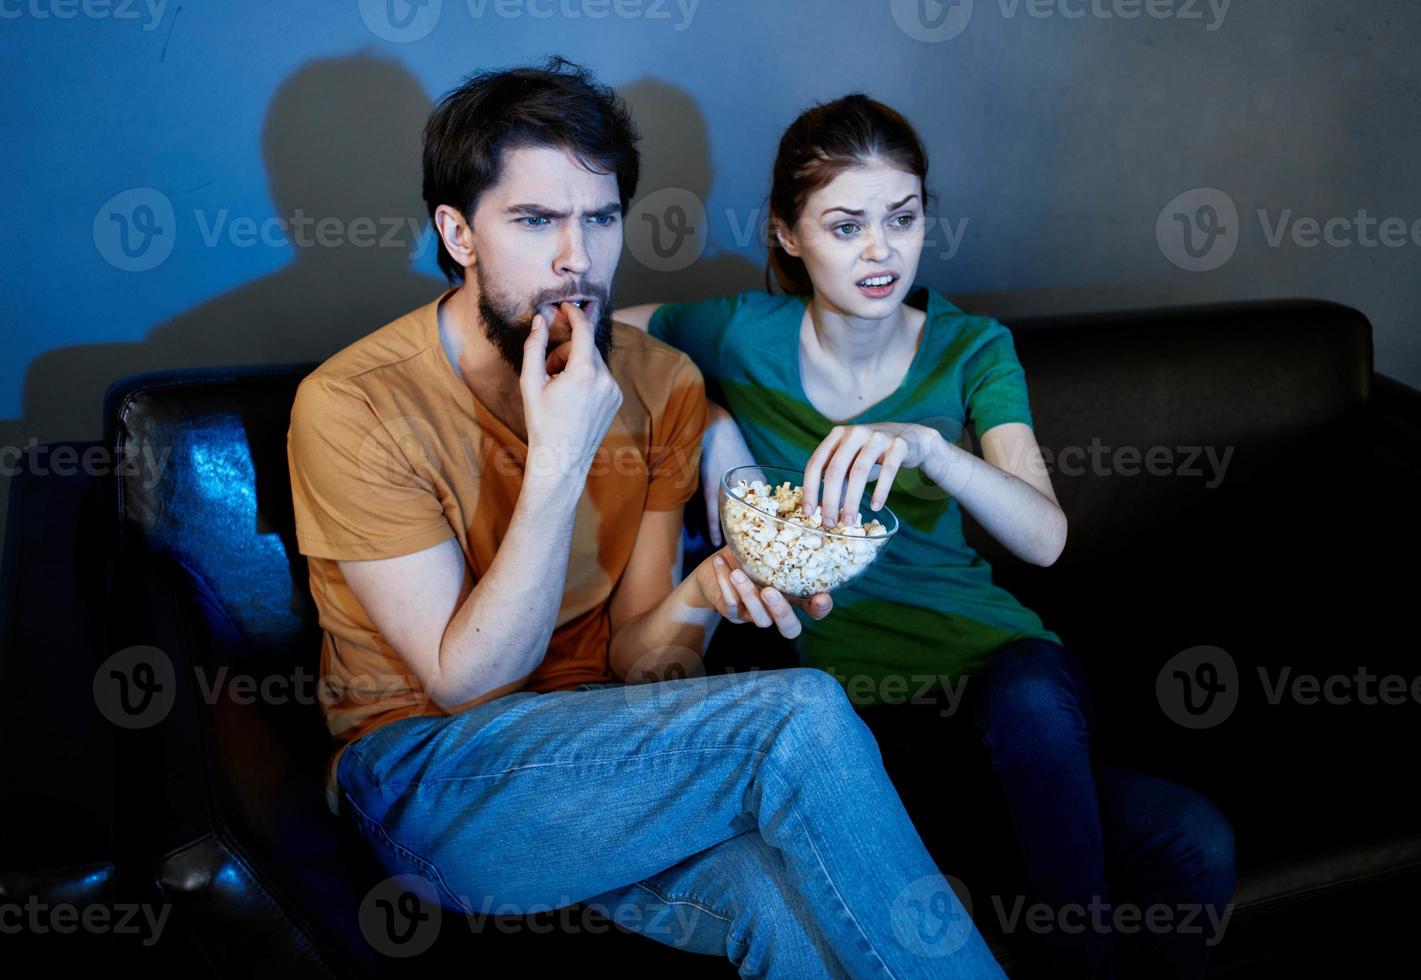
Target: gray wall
{"points": [[1060, 144]]}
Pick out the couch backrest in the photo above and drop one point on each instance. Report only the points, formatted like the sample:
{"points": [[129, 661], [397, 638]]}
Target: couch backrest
{"points": [[1243, 381], [205, 484]]}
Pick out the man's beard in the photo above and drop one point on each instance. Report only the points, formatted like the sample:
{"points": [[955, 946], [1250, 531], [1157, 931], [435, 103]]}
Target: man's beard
{"points": [[508, 329]]}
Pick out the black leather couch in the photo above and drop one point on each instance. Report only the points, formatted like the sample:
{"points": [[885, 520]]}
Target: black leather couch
{"points": [[168, 566]]}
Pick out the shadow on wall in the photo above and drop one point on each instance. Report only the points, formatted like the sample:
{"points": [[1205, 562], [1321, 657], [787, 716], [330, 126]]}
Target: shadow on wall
{"points": [[667, 230], [341, 139]]}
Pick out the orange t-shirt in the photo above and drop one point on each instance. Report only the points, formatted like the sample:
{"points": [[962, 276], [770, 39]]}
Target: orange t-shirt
{"points": [[391, 453]]}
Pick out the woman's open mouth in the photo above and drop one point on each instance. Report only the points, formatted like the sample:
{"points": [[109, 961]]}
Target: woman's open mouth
{"points": [[878, 287]]}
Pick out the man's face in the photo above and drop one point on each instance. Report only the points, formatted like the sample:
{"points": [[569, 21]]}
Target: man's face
{"points": [[549, 230]]}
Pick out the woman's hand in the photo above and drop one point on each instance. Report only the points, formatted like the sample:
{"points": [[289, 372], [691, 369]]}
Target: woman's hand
{"points": [[725, 586], [722, 448], [850, 452]]}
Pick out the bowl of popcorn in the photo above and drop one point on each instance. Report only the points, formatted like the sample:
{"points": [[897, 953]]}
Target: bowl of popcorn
{"points": [[779, 545]]}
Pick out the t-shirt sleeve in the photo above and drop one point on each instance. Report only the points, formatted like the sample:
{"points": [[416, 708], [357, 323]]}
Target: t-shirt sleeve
{"points": [[699, 330], [994, 382], [674, 461], [355, 486]]}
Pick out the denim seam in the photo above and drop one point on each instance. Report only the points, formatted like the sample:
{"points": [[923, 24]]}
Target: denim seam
{"points": [[770, 768], [695, 902], [433, 871], [584, 762]]}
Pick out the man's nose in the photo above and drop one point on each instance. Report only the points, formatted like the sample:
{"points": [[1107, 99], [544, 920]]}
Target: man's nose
{"points": [[572, 256]]}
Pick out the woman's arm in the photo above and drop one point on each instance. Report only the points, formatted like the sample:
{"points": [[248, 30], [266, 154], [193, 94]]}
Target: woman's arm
{"points": [[1008, 491], [636, 316]]}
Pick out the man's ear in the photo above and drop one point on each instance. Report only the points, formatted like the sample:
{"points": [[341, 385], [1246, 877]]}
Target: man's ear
{"points": [[784, 236], [456, 234]]}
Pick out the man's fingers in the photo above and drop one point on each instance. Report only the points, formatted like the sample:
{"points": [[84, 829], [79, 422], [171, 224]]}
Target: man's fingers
{"points": [[750, 598], [818, 605], [584, 337], [783, 613], [535, 354], [557, 358], [727, 591]]}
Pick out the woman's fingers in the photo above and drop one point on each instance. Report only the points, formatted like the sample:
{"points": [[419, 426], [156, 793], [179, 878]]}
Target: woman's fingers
{"points": [[861, 469], [815, 468], [837, 471], [892, 461]]}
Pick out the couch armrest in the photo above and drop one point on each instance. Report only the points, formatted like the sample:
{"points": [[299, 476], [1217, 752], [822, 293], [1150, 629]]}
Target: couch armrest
{"points": [[56, 807]]}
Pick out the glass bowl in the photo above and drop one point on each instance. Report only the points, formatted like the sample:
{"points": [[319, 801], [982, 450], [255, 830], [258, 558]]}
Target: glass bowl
{"points": [[794, 558]]}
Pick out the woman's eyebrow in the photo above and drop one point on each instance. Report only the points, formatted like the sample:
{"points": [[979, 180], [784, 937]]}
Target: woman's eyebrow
{"points": [[859, 214]]}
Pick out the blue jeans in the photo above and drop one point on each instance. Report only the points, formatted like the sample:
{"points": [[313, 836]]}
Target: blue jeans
{"points": [[1095, 840], [744, 815]]}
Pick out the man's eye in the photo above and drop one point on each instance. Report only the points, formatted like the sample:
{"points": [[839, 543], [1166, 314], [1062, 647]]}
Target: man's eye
{"points": [[535, 220], [603, 219]]}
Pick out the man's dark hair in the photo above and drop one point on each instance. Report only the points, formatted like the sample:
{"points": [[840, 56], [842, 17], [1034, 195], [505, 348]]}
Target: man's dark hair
{"points": [[559, 105]]}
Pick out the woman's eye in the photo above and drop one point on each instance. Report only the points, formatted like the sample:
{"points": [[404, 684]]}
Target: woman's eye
{"points": [[846, 229], [904, 221]]}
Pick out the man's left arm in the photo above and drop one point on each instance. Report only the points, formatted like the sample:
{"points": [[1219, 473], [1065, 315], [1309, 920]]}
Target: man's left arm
{"points": [[660, 629]]}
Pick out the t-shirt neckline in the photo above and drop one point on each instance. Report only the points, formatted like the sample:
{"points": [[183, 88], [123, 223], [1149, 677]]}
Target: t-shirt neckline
{"points": [[920, 356], [485, 417]]}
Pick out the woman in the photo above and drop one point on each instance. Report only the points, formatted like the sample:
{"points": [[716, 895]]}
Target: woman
{"points": [[853, 375]]}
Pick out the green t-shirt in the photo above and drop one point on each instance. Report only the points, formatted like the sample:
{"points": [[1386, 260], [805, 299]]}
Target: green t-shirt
{"points": [[927, 611]]}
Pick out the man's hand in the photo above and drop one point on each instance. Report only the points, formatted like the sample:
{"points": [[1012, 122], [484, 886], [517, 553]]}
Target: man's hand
{"points": [[726, 587], [569, 397]]}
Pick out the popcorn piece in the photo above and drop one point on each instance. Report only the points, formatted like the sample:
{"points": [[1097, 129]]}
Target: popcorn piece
{"points": [[778, 553]]}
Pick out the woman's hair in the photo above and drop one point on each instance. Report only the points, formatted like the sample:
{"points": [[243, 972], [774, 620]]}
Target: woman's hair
{"points": [[818, 146], [558, 105]]}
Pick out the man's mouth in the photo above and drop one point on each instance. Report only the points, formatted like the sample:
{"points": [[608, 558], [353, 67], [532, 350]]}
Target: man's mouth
{"points": [[550, 310]]}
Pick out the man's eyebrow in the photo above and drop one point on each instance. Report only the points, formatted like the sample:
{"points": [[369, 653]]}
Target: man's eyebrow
{"points": [[539, 211], [859, 214]]}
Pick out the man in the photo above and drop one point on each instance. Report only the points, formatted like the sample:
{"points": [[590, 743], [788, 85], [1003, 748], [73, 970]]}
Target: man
{"points": [[489, 491]]}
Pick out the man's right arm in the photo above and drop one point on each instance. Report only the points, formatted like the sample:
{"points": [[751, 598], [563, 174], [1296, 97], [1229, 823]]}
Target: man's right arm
{"points": [[463, 643], [462, 646]]}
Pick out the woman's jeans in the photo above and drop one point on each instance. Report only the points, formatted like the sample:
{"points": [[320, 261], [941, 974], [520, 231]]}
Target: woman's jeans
{"points": [[744, 815], [1104, 850]]}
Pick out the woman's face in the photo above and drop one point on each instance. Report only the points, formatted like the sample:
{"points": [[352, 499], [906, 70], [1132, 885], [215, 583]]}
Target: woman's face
{"points": [[860, 237]]}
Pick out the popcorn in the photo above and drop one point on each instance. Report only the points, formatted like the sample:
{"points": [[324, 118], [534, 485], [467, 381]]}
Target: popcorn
{"points": [[787, 553]]}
